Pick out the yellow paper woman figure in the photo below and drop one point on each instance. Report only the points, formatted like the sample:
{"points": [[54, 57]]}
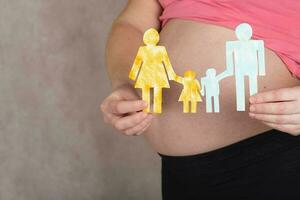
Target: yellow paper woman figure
{"points": [[152, 69], [191, 91]]}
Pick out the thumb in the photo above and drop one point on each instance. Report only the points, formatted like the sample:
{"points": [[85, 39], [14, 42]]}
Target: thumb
{"points": [[120, 107]]}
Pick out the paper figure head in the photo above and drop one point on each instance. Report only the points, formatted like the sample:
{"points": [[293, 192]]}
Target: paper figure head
{"points": [[211, 72], [190, 74], [151, 37], [243, 32]]}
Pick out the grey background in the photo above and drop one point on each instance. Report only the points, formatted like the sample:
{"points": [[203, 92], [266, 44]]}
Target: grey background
{"points": [[53, 143]]}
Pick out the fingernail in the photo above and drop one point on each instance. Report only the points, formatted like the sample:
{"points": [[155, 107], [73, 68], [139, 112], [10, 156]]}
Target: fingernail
{"points": [[251, 114], [252, 108], [252, 99]]}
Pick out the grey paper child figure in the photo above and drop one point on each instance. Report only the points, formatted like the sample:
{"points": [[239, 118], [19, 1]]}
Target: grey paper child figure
{"points": [[211, 90]]}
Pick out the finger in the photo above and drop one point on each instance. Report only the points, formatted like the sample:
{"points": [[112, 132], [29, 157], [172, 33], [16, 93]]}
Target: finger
{"points": [[123, 107], [147, 126], [292, 129], [285, 94], [289, 107], [277, 119], [129, 121], [141, 127], [111, 118], [144, 129]]}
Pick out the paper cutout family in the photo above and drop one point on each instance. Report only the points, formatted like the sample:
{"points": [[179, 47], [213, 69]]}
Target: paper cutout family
{"points": [[152, 69]]}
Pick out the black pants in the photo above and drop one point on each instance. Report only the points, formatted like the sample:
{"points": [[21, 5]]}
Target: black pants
{"points": [[266, 166]]}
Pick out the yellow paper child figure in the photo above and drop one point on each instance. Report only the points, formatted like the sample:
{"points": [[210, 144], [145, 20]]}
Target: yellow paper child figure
{"points": [[191, 91], [152, 69]]}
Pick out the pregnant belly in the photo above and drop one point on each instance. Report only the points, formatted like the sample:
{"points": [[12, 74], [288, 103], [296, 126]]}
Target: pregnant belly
{"points": [[198, 46]]}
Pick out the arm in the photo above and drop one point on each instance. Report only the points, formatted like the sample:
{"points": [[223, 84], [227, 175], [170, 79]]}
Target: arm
{"points": [[199, 86], [168, 66], [122, 107], [261, 59], [126, 37], [136, 66], [178, 79], [229, 63], [223, 75], [203, 87]]}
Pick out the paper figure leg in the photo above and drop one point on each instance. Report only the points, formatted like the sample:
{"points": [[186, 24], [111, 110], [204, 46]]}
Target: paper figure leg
{"points": [[253, 85], [146, 97], [240, 93], [216, 104], [186, 106], [157, 100], [194, 107], [208, 104]]}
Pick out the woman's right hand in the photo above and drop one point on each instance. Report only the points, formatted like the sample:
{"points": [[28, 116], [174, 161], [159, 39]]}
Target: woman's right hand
{"points": [[123, 110]]}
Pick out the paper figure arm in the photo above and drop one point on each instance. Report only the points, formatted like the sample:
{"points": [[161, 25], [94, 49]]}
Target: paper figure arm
{"points": [[198, 86], [261, 58], [223, 75], [203, 87], [136, 66], [229, 62], [168, 66], [178, 79]]}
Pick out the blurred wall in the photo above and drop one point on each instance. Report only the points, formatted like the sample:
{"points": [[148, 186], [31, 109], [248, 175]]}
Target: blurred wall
{"points": [[53, 143]]}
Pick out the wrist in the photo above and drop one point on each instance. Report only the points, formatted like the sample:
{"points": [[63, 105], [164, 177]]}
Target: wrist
{"points": [[121, 84]]}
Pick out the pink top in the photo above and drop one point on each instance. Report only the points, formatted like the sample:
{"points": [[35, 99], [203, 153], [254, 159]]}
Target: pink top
{"points": [[277, 22]]}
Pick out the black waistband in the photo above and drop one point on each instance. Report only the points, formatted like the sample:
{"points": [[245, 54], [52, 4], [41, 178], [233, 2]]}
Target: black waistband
{"points": [[251, 149]]}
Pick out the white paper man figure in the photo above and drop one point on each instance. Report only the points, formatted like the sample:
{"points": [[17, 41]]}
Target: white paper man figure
{"points": [[246, 58], [211, 89]]}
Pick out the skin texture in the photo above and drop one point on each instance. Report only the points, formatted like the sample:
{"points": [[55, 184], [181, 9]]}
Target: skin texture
{"points": [[199, 46], [193, 46], [278, 109]]}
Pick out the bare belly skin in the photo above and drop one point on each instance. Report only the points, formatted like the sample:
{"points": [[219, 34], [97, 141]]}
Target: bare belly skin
{"points": [[199, 46]]}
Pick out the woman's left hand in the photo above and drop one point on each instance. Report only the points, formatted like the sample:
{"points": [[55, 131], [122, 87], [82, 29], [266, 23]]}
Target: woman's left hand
{"points": [[279, 109]]}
